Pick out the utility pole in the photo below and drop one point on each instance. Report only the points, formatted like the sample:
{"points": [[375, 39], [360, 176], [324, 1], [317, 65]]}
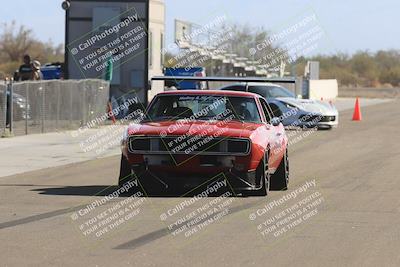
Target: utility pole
{"points": [[66, 5]]}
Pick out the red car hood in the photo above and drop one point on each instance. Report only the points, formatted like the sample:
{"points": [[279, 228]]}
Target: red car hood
{"points": [[207, 128]]}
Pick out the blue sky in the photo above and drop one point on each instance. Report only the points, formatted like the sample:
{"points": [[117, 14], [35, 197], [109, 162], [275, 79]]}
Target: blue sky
{"points": [[350, 25]]}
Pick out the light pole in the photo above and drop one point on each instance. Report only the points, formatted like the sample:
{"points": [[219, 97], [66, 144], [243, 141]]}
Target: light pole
{"points": [[66, 5]]}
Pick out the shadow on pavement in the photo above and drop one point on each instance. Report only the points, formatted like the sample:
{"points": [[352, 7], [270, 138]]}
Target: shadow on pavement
{"points": [[87, 190], [104, 190]]}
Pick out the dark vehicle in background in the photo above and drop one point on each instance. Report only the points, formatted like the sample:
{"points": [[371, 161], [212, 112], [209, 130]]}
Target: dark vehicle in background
{"points": [[21, 108], [49, 71], [180, 84], [52, 71]]}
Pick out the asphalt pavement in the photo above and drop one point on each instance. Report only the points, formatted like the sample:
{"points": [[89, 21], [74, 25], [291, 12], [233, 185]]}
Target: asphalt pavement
{"points": [[342, 209]]}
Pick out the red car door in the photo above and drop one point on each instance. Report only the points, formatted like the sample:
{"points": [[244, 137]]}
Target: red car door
{"points": [[276, 137]]}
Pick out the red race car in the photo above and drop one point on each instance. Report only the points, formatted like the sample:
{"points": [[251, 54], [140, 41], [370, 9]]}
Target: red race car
{"points": [[187, 137]]}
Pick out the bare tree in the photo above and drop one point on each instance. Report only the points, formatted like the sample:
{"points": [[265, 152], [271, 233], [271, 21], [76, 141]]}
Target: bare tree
{"points": [[15, 42]]}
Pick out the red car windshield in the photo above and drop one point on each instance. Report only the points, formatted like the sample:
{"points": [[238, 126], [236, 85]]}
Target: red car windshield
{"points": [[203, 107]]}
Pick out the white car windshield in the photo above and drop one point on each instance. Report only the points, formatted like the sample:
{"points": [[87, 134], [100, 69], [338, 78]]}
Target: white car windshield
{"points": [[271, 91]]}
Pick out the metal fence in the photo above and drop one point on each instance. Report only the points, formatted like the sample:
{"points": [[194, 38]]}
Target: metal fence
{"points": [[48, 106], [3, 105]]}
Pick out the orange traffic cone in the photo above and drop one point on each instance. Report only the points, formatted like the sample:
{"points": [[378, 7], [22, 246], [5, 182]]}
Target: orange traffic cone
{"points": [[357, 111]]}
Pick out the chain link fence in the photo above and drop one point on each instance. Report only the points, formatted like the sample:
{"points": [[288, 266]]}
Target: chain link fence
{"points": [[48, 106]]}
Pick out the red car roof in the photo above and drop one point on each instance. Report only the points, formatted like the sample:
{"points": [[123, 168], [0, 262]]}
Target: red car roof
{"points": [[210, 92]]}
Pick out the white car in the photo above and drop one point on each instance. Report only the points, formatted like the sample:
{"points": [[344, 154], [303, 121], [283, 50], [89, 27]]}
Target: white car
{"points": [[292, 111]]}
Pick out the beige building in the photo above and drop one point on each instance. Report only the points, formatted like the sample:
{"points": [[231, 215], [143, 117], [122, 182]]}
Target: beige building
{"points": [[156, 43]]}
